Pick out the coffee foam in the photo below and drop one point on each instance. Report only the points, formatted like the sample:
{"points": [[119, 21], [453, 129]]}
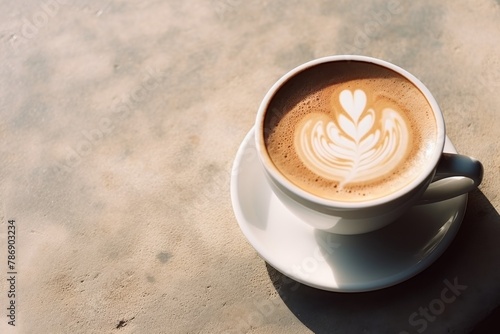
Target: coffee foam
{"points": [[287, 121]]}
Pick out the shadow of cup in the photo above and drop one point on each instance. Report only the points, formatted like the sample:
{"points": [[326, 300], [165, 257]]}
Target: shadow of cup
{"points": [[467, 268]]}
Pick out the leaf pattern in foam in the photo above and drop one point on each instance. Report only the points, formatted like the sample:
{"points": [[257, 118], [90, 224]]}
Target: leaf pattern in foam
{"points": [[360, 144]]}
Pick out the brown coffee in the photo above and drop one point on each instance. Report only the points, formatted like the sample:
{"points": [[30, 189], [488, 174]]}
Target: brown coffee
{"points": [[350, 131]]}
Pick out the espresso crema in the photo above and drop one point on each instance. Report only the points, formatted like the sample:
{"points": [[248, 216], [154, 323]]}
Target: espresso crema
{"points": [[351, 132]]}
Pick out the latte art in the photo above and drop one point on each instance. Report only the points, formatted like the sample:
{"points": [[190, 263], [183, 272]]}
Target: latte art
{"points": [[357, 144], [350, 131]]}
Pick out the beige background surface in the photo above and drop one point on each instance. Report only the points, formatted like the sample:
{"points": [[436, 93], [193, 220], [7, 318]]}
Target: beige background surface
{"points": [[119, 122]]}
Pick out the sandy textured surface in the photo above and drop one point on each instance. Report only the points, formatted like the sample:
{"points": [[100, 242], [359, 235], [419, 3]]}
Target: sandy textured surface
{"points": [[119, 122]]}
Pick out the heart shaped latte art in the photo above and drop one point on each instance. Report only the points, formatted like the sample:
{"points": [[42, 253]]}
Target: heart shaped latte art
{"points": [[355, 144]]}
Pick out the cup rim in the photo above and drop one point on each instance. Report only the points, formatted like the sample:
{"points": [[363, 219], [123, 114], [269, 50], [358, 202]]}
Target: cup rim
{"points": [[290, 186]]}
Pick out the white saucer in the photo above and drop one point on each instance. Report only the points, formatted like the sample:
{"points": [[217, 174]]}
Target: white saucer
{"points": [[345, 263]]}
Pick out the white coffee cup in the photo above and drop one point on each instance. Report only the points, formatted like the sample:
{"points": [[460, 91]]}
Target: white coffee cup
{"points": [[344, 217]]}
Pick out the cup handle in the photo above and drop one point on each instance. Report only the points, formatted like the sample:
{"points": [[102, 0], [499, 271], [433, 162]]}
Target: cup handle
{"points": [[456, 175]]}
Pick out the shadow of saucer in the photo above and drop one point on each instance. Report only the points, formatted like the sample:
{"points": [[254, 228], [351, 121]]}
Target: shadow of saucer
{"points": [[456, 292]]}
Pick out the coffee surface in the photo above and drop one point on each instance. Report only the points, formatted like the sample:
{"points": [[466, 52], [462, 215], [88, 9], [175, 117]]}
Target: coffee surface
{"points": [[350, 131]]}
